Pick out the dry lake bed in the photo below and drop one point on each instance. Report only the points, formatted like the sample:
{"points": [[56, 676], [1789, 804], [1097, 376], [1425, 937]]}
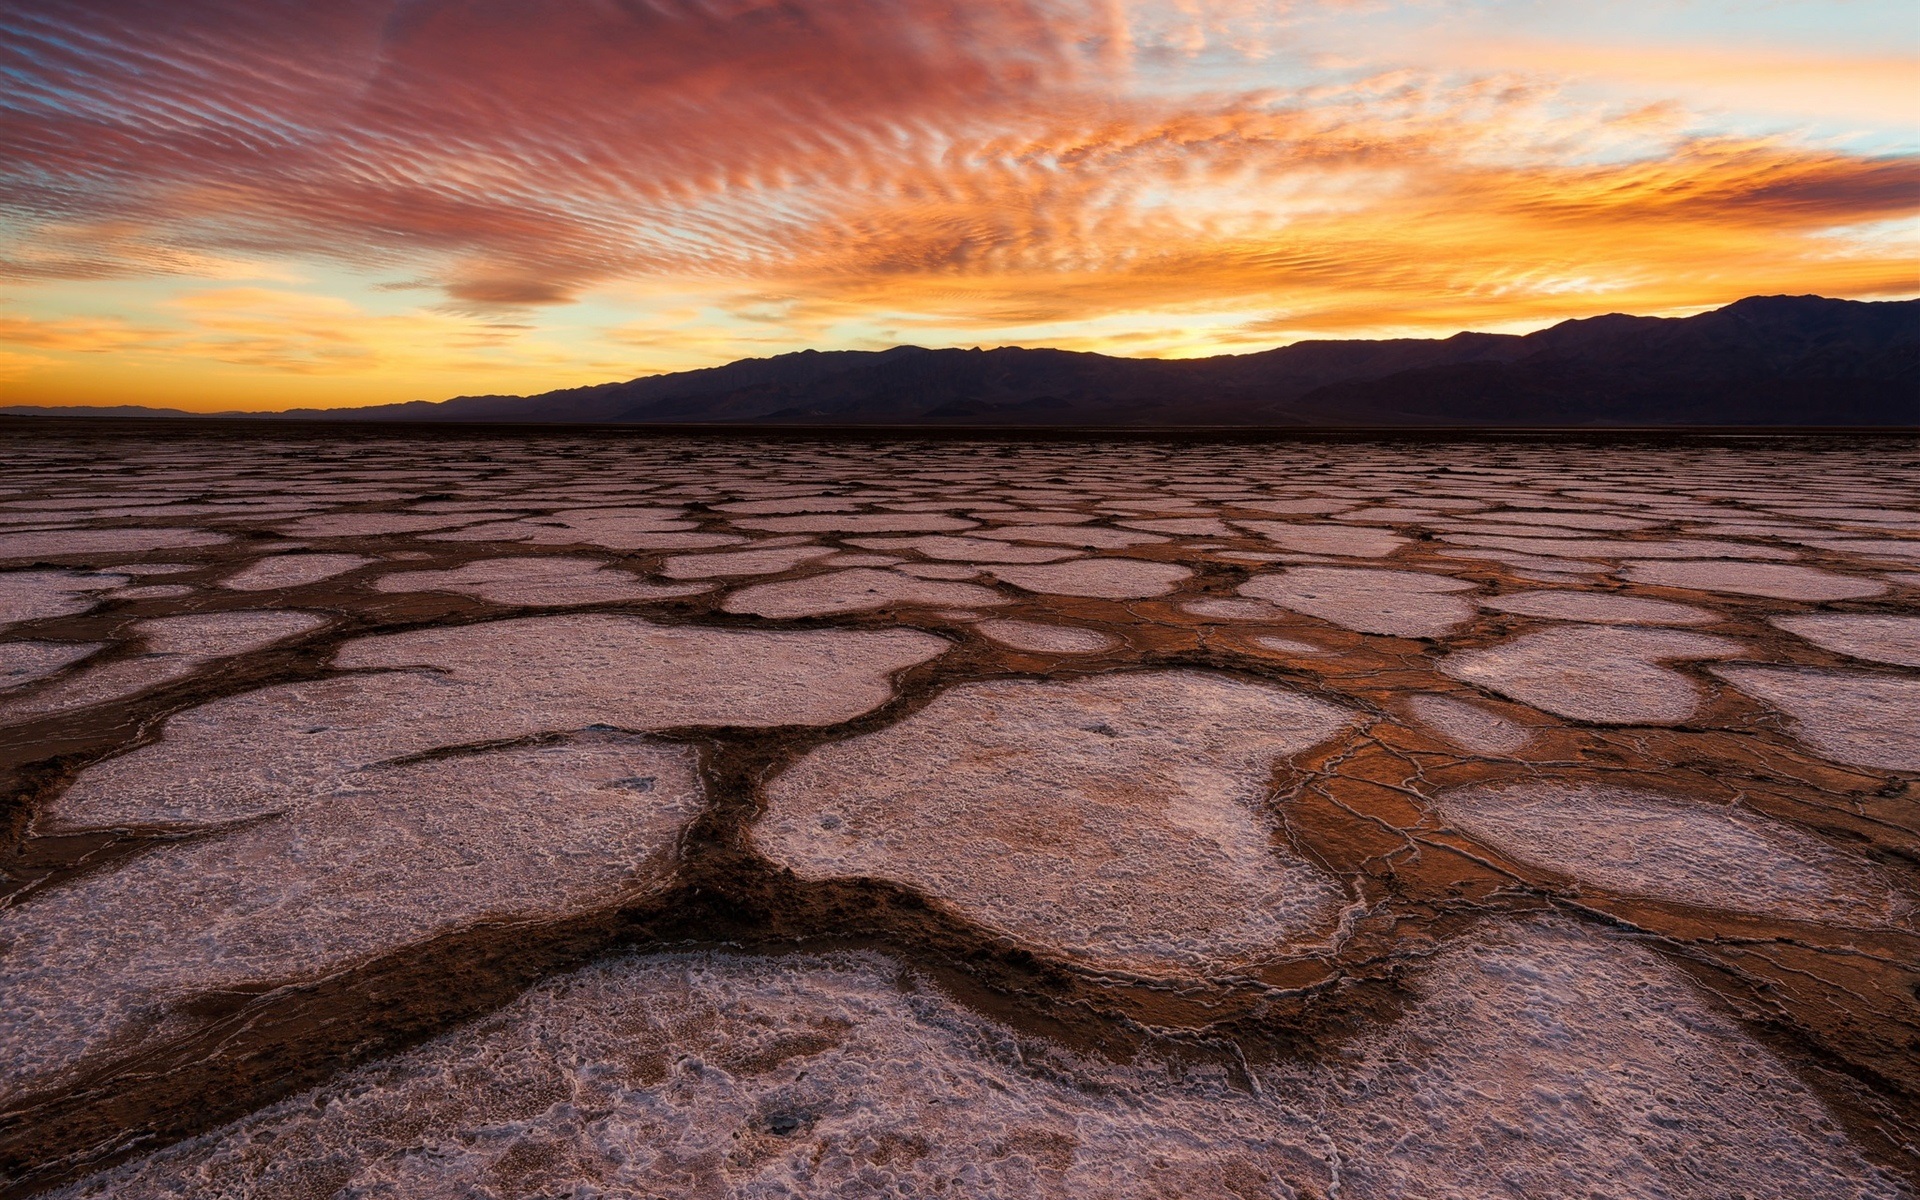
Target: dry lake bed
{"points": [[599, 815]]}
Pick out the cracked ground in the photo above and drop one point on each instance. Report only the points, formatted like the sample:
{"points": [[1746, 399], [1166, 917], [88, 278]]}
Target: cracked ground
{"points": [[530, 814]]}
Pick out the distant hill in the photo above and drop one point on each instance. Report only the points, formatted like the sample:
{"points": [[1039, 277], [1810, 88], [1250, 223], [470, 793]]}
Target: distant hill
{"points": [[1763, 361]]}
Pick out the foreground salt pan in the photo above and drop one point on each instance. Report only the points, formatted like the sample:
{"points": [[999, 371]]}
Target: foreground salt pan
{"points": [[1114, 820], [1876, 637], [35, 595], [1594, 673], [1850, 716], [265, 750], [729, 1076], [1545, 1061], [1642, 843], [858, 590], [175, 648], [1396, 603], [390, 855], [535, 582]]}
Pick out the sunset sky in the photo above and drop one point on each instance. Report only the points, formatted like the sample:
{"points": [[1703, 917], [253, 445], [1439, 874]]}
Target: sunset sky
{"points": [[264, 204]]}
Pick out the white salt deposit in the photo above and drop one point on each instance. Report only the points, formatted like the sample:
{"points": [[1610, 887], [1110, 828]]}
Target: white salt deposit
{"points": [[536, 581], [1280, 645], [1564, 520], [1397, 603], [613, 528], [1047, 639], [1603, 608], [267, 750], [175, 648], [968, 549], [332, 525], [392, 854], [1778, 581], [1849, 716], [1080, 537], [1469, 726], [771, 561], [1641, 843], [1530, 566], [722, 1075], [1117, 820], [22, 663], [1103, 578], [857, 523], [1216, 608], [790, 504], [1678, 548], [1327, 539], [940, 570], [293, 570], [71, 543], [1543, 1060], [1190, 526], [1594, 673], [1540, 1060], [855, 590], [1876, 637]]}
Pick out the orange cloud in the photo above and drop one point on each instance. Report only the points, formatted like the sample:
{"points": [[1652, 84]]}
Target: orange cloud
{"points": [[745, 175]]}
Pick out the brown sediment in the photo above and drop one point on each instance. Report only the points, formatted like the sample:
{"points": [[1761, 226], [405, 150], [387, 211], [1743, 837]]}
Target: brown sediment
{"points": [[1839, 1003]]}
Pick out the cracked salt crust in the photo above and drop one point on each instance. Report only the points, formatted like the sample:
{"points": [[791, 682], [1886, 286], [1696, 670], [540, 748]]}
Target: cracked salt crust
{"points": [[1681, 548], [72, 543], [1215, 608], [1281, 645], [1327, 539], [175, 648], [293, 570], [1849, 716], [1189, 526], [771, 561], [332, 525], [1603, 608], [1562, 520], [266, 750], [1640, 843], [856, 590], [1537, 1060], [967, 549], [613, 528], [1047, 639], [1543, 1060], [1116, 821], [1079, 537], [1396, 603], [22, 663], [1777, 581], [536, 581], [38, 595], [857, 523], [1875, 637], [1101, 578], [1594, 673], [724, 1075], [1469, 726], [940, 570], [390, 855]]}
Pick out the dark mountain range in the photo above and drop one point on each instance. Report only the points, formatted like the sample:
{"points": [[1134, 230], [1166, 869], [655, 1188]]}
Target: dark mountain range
{"points": [[1763, 361]]}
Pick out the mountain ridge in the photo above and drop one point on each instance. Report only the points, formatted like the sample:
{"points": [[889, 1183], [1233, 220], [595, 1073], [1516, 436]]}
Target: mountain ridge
{"points": [[1761, 361]]}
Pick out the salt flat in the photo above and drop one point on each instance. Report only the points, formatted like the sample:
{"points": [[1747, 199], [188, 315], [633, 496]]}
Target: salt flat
{"points": [[631, 815]]}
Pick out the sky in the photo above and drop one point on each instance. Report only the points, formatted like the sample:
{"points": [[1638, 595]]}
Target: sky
{"points": [[264, 204]]}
